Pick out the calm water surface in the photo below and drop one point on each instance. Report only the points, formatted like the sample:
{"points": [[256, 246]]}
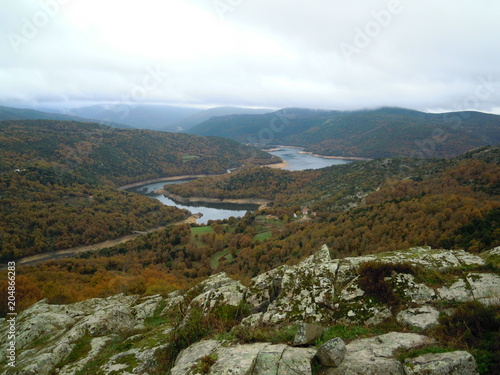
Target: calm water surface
{"points": [[299, 162], [219, 211]]}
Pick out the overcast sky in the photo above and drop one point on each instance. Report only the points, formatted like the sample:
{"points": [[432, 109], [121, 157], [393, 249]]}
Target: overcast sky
{"points": [[333, 54]]}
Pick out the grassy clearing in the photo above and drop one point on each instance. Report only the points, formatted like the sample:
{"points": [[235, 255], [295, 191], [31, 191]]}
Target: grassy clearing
{"points": [[197, 232], [347, 333], [186, 158], [201, 230], [214, 259], [262, 236]]}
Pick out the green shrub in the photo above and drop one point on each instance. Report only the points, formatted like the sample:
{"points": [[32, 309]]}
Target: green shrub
{"points": [[474, 327], [372, 280], [274, 334], [196, 326], [347, 333]]}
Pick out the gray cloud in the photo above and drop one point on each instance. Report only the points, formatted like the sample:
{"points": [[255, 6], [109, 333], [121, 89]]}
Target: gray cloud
{"points": [[328, 54]]}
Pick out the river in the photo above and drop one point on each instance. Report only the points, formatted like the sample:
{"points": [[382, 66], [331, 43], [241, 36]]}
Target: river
{"points": [[295, 161]]}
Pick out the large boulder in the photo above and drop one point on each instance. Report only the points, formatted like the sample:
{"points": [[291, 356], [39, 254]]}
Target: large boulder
{"points": [[256, 359], [482, 287], [421, 317], [456, 363], [307, 333], [332, 353], [375, 355], [324, 289], [218, 290], [62, 327]]}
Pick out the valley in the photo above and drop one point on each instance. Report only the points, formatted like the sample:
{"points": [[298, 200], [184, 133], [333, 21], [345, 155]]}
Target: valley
{"points": [[93, 195]]}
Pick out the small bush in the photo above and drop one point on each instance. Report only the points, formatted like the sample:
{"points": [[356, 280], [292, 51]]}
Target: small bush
{"points": [[474, 327], [282, 334], [372, 280], [347, 333], [198, 325], [413, 353]]}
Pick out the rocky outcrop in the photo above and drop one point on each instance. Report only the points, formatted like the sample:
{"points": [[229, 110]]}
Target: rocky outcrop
{"points": [[375, 355], [307, 333], [115, 334], [422, 317], [332, 352], [456, 363], [62, 327], [325, 289], [247, 359]]}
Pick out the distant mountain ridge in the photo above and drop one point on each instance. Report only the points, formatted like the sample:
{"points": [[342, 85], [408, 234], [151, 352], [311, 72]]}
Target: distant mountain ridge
{"points": [[120, 156], [158, 116], [11, 113], [207, 114], [383, 132], [143, 116]]}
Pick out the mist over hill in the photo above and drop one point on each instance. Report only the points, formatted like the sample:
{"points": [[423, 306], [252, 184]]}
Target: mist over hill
{"points": [[375, 133], [157, 116], [11, 113]]}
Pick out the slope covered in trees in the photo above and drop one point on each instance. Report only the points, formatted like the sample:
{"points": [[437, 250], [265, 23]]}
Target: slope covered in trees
{"points": [[370, 133], [117, 155], [58, 180], [10, 113], [439, 203]]}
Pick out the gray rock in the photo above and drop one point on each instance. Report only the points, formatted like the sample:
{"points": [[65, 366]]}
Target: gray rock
{"points": [[219, 290], [62, 326], [413, 292], [97, 344], [327, 289], [283, 360], [459, 291], [351, 291], [255, 359], [456, 363], [375, 355], [253, 320], [307, 334], [188, 357], [492, 256], [484, 287], [421, 317], [332, 353]]}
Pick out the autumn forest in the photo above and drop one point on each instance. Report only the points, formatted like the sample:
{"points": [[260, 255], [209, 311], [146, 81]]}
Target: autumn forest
{"points": [[59, 189]]}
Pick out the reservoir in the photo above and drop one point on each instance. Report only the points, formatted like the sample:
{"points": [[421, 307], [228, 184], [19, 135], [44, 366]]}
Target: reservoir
{"points": [[210, 211], [295, 159]]}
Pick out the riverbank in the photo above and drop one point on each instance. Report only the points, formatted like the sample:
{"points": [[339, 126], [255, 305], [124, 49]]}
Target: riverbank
{"points": [[335, 157], [161, 179], [69, 253], [257, 201], [278, 165], [279, 147]]}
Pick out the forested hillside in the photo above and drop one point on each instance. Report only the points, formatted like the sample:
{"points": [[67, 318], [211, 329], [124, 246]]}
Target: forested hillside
{"points": [[360, 208], [119, 156], [370, 133], [58, 180], [10, 113]]}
